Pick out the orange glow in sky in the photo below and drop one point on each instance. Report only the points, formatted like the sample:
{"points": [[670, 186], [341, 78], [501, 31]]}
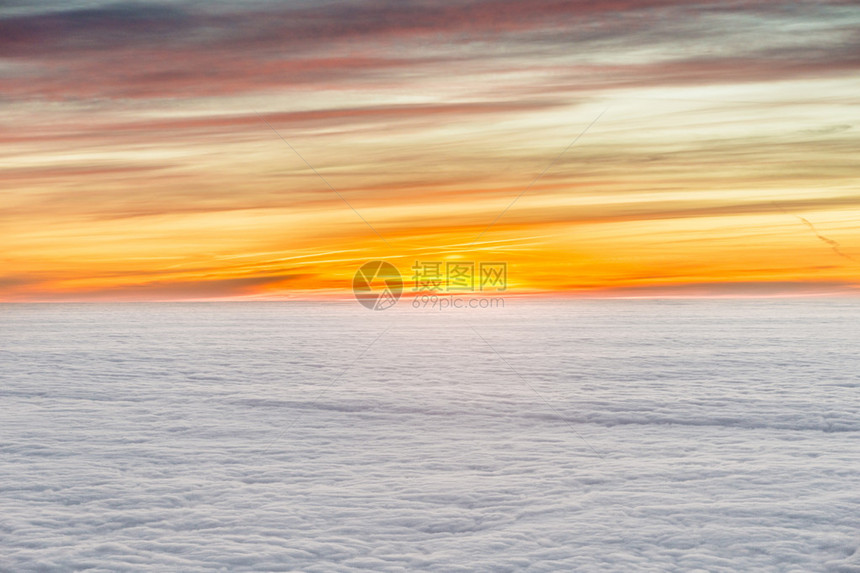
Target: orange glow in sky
{"points": [[191, 151]]}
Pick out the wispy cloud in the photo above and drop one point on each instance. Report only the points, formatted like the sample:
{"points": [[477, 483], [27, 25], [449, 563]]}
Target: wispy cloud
{"points": [[126, 50], [833, 244], [132, 131]]}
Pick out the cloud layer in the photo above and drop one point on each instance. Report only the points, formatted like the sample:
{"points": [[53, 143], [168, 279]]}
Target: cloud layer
{"points": [[249, 437]]}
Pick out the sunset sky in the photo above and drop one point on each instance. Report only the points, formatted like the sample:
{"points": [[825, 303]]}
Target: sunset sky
{"points": [[189, 150]]}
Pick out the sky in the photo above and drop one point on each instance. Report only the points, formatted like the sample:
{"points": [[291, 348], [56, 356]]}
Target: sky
{"points": [[191, 150]]}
